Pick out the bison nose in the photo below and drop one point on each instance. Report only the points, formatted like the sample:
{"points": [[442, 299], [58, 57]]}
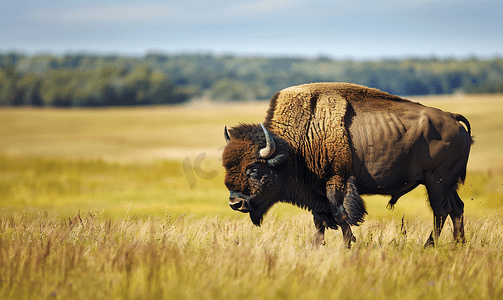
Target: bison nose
{"points": [[239, 204], [235, 205]]}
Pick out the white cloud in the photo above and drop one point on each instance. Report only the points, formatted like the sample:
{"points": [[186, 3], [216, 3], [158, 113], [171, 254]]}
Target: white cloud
{"points": [[260, 7], [108, 13], [193, 12]]}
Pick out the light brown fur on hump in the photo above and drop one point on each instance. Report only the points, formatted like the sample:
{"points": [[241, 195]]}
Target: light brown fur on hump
{"points": [[311, 118]]}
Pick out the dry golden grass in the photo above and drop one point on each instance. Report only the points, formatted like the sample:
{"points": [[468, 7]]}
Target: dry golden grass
{"points": [[214, 258]]}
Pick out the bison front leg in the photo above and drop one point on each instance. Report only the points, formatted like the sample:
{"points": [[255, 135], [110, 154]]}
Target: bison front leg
{"points": [[335, 194], [438, 224], [319, 235]]}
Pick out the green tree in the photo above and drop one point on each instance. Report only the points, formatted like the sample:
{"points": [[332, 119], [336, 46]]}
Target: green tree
{"points": [[231, 90], [9, 91], [30, 87]]}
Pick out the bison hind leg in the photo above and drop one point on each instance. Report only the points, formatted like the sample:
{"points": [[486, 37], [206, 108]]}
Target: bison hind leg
{"points": [[457, 216], [353, 204]]}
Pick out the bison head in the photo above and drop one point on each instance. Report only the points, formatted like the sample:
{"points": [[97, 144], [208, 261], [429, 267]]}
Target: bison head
{"points": [[254, 163]]}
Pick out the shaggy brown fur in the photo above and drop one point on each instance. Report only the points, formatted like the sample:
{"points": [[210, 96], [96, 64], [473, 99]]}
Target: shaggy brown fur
{"points": [[336, 140], [311, 119]]}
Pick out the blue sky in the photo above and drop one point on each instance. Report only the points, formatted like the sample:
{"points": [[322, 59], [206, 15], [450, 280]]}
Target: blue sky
{"points": [[340, 29]]}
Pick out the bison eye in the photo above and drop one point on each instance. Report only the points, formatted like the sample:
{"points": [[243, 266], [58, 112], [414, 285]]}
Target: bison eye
{"points": [[252, 172]]}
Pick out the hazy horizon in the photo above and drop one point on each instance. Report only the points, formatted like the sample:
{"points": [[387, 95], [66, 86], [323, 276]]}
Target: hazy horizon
{"points": [[343, 29]]}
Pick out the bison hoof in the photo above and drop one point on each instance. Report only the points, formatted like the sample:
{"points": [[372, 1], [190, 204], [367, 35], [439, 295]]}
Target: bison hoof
{"points": [[429, 243]]}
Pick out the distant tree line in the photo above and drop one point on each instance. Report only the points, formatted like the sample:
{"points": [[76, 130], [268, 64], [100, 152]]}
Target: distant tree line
{"points": [[86, 80]]}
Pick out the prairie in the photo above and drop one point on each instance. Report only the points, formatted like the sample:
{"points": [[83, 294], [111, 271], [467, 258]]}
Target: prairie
{"points": [[133, 159], [129, 203], [43, 257]]}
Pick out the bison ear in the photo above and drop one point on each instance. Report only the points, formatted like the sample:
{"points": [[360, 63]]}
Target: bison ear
{"points": [[277, 160]]}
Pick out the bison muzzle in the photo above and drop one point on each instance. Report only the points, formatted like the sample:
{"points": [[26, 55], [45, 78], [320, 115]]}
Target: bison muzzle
{"points": [[240, 202], [322, 145]]}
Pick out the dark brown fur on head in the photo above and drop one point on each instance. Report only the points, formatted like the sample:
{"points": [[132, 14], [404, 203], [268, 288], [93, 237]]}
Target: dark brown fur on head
{"points": [[249, 177]]}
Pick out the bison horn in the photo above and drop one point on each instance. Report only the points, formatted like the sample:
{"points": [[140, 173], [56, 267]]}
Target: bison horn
{"points": [[270, 146], [226, 135]]}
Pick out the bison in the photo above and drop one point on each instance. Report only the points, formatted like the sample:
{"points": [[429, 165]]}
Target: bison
{"points": [[322, 145]]}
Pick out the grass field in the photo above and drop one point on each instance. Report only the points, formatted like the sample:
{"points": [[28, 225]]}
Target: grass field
{"points": [[151, 227], [43, 257]]}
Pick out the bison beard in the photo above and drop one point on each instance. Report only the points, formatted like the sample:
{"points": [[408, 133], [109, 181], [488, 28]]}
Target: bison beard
{"points": [[257, 216], [324, 144], [266, 201]]}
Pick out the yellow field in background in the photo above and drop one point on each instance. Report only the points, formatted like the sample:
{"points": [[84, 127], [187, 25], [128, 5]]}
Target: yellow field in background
{"points": [[151, 133], [131, 143], [110, 204]]}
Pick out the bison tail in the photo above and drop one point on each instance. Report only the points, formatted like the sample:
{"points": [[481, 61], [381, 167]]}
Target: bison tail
{"points": [[353, 203], [461, 118]]}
